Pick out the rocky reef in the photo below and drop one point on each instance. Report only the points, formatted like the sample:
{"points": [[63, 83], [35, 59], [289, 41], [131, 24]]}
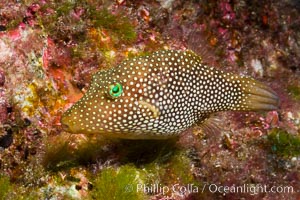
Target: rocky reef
{"points": [[49, 50]]}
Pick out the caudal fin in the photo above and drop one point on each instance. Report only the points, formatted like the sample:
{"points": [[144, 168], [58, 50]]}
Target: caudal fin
{"points": [[256, 96]]}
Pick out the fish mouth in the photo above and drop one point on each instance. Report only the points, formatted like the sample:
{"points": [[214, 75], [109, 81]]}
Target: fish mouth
{"points": [[65, 127], [65, 124]]}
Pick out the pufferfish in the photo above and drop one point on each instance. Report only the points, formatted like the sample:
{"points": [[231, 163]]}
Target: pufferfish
{"points": [[158, 96]]}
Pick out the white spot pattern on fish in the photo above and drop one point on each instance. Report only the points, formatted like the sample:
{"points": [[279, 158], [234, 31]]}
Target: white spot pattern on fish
{"points": [[161, 95]]}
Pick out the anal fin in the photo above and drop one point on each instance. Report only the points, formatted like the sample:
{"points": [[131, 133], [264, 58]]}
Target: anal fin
{"points": [[210, 124]]}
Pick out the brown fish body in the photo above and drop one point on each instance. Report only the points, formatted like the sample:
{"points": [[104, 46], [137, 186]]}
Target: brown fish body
{"points": [[161, 95]]}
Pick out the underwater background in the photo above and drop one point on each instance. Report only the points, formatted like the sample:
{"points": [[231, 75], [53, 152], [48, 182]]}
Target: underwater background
{"points": [[49, 50]]}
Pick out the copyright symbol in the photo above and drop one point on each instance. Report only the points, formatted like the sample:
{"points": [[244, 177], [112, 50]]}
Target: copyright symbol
{"points": [[128, 188]]}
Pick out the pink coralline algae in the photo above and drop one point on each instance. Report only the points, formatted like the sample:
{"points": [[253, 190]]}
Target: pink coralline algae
{"points": [[3, 107], [30, 17], [227, 11]]}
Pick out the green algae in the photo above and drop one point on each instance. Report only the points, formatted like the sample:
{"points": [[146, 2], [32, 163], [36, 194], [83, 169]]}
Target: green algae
{"points": [[142, 152], [62, 21], [180, 168], [294, 90], [118, 184], [64, 153], [9, 191], [144, 165], [119, 25], [94, 31], [58, 156], [177, 169], [5, 187], [65, 8], [284, 143], [172, 171]]}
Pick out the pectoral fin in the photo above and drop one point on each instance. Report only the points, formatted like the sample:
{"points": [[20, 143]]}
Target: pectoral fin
{"points": [[152, 108]]}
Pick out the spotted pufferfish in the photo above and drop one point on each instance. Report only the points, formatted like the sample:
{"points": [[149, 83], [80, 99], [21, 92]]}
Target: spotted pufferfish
{"points": [[158, 96]]}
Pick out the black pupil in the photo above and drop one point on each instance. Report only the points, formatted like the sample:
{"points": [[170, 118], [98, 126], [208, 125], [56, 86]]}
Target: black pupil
{"points": [[115, 89]]}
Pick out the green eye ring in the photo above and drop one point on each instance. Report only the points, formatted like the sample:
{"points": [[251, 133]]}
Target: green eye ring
{"points": [[115, 90]]}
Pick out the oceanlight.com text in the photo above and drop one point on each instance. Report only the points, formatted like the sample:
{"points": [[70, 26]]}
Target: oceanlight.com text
{"points": [[251, 189], [177, 189]]}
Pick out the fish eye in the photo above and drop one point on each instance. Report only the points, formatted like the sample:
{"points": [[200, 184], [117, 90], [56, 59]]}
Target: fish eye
{"points": [[115, 90]]}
